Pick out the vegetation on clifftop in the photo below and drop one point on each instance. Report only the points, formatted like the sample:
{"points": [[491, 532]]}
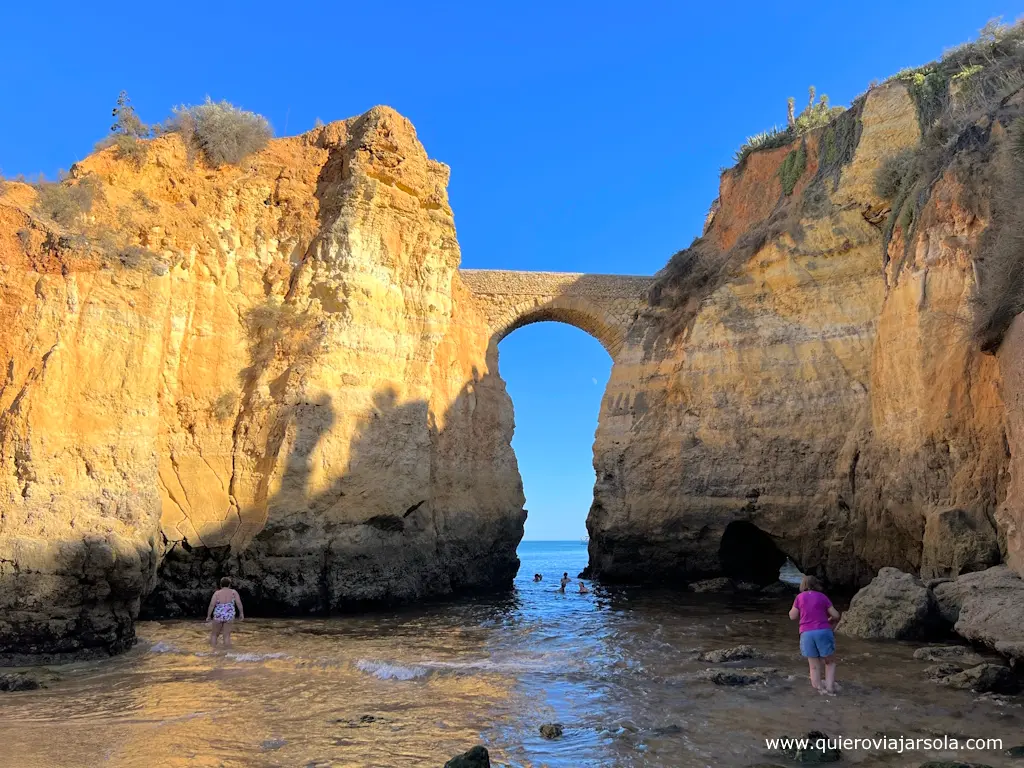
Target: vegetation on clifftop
{"points": [[814, 115]]}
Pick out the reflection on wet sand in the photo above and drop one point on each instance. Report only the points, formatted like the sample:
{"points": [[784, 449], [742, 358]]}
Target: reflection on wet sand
{"points": [[415, 687]]}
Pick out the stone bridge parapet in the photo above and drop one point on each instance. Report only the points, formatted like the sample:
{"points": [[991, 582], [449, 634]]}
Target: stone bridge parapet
{"points": [[604, 306]]}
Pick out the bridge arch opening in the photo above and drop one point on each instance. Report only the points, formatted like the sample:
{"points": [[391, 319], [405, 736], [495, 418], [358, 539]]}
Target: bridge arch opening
{"points": [[556, 377]]}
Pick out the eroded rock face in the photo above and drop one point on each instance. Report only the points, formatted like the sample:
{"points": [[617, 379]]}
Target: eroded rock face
{"points": [[292, 388], [820, 386], [987, 608]]}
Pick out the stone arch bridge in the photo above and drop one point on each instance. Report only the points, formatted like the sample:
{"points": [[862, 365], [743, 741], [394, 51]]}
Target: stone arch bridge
{"points": [[604, 306]]}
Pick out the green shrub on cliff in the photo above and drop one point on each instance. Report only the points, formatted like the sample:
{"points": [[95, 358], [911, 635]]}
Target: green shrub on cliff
{"points": [[792, 169], [814, 115], [223, 133]]}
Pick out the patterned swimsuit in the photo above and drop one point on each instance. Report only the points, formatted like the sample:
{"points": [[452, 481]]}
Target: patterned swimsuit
{"points": [[224, 612]]}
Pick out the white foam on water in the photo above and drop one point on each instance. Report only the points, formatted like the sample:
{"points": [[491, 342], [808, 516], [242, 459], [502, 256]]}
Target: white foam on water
{"points": [[162, 647], [256, 656], [384, 671]]}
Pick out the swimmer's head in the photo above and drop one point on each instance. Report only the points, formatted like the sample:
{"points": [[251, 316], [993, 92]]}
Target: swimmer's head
{"points": [[225, 582]]}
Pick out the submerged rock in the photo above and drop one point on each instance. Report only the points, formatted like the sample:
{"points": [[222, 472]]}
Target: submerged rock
{"points": [[894, 606], [780, 588], [477, 757], [952, 764], [984, 678], [816, 751], [1015, 752], [739, 676], [551, 730], [719, 584], [958, 653], [731, 654]]}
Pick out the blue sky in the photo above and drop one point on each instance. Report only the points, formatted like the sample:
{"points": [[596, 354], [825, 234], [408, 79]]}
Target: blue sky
{"points": [[582, 136]]}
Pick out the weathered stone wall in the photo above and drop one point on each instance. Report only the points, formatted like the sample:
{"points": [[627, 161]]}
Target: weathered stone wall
{"points": [[605, 306]]}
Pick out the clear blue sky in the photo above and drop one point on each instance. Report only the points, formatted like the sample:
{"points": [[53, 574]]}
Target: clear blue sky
{"points": [[582, 136]]}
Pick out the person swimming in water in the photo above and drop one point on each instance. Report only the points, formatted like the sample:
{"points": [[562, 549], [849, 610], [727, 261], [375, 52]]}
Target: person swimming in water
{"points": [[222, 612], [583, 589], [565, 582], [537, 577]]}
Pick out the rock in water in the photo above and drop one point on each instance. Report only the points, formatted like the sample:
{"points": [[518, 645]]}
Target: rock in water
{"points": [[551, 730], [984, 678], [940, 671], [1017, 752], [477, 757], [953, 764], [894, 606], [816, 751], [719, 584], [731, 654], [738, 676], [19, 681], [958, 653]]}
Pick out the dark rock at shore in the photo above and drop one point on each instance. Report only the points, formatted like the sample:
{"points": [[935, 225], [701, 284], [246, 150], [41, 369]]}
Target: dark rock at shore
{"points": [[19, 681], [894, 606], [1015, 752], [984, 678], [551, 730], [952, 764], [813, 753], [723, 655], [477, 757]]}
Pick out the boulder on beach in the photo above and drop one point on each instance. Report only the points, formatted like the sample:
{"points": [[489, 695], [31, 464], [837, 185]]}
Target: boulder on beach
{"points": [[958, 541], [780, 588], [959, 654], [988, 608], [477, 757], [894, 606], [723, 655]]}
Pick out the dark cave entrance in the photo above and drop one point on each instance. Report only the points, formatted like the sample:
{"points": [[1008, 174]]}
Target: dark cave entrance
{"points": [[747, 553]]}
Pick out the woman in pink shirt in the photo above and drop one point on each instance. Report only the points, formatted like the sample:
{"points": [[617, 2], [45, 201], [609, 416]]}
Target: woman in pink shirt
{"points": [[817, 642]]}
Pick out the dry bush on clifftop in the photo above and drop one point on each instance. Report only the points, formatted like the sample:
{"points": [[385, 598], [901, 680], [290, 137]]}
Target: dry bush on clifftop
{"points": [[64, 202], [223, 133]]}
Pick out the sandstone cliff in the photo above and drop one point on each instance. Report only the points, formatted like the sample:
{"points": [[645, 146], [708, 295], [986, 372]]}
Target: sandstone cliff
{"points": [[816, 391], [269, 371]]}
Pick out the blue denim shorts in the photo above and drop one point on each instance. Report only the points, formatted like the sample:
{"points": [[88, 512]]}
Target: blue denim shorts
{"points": [[817, 642]]}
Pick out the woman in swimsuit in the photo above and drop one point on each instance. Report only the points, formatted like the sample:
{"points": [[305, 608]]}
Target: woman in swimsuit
{"points": [[222, 612]]}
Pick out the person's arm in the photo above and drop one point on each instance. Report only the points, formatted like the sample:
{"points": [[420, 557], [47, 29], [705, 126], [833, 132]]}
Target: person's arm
{"points": [[833, 613], [209, 611], [238, 602], [794, 612]]}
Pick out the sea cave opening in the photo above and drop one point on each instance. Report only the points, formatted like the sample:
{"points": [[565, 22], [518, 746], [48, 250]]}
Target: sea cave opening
{"points": [[747, 553]]}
